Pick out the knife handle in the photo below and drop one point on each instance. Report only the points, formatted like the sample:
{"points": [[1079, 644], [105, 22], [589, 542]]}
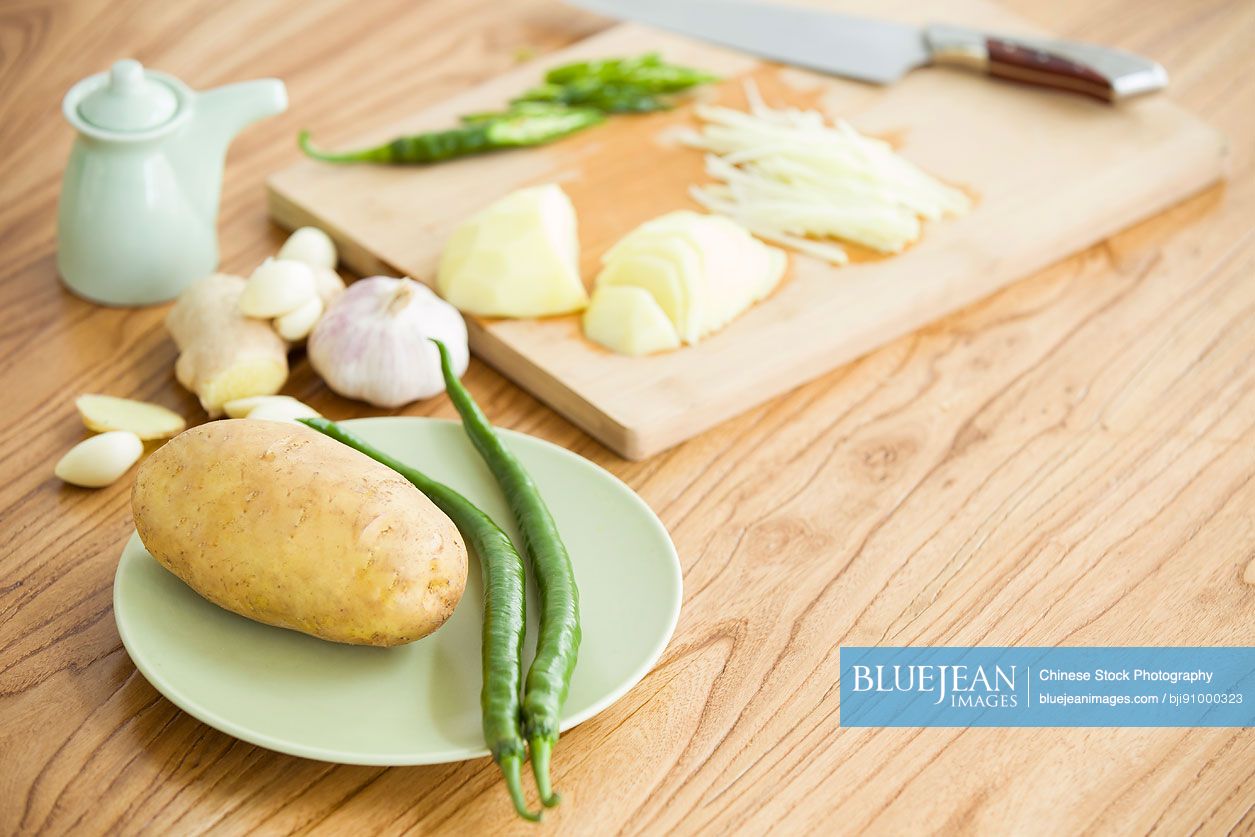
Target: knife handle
{"points": [[1108, 74]]}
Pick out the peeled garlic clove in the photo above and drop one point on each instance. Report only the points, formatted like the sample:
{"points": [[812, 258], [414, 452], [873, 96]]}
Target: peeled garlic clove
{"points": [[100, 460], [296, 325], [373, 343], [148, 421], [329, 284], [277, 287], [282, 410], [241, 407], [310, 245]]}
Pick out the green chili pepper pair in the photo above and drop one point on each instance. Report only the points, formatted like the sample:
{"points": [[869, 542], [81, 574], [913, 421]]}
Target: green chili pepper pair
{"points": [[573, 97], [506, 722], [504, 611]]}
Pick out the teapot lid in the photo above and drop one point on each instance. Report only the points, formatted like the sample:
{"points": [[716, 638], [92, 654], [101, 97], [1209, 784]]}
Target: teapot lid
{"points": [[129, 100]]}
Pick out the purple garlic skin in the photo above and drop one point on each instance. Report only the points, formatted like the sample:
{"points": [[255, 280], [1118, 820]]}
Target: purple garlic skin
{"points": [[374, 342]]}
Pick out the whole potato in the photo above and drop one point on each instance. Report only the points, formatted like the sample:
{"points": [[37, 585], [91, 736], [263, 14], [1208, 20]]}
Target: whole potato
{"points": [[276, 522]]}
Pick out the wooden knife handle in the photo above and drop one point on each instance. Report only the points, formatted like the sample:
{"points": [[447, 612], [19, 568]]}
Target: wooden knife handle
{"points": [[1029, 65], [1106, 74]]}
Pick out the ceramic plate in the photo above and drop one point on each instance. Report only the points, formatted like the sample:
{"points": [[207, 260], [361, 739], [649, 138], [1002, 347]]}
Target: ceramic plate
{"points": [[419, 703]]}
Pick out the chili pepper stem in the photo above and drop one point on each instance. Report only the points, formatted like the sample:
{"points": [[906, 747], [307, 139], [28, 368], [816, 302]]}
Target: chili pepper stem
{"points": [[540, 748], [510, 769], [303, 140]]}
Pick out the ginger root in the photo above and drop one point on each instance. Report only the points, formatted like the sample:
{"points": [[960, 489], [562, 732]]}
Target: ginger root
{"points": [[223, 355]]}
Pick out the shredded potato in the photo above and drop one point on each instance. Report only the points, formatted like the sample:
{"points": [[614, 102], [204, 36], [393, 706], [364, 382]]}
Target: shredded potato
{"points": [[792, 179]]}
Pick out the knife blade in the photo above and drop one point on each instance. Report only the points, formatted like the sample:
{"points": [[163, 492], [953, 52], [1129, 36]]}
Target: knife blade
{"points": [[881, 52]]}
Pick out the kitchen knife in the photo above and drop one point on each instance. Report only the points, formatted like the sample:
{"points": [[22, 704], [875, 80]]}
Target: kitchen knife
{"points": [[882, 52]]}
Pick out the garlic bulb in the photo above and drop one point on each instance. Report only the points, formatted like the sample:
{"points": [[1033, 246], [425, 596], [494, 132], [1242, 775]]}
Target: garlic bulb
{"points": [[373, 342]]}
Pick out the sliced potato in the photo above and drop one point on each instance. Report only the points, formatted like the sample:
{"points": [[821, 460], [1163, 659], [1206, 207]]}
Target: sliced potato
{"points": [[703, 270], [777, 265], [628, 320], [667, 276], [102, 413]]}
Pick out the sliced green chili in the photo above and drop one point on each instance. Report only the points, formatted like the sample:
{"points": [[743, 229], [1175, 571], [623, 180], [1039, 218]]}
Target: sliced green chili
{"points": [[504, 604], [509, 129], [617, 85], [647, 72], [557, 645]]}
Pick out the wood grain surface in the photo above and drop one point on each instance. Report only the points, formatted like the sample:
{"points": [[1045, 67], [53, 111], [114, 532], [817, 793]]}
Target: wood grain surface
{"points": [[1071, 461], [1087, 180]]}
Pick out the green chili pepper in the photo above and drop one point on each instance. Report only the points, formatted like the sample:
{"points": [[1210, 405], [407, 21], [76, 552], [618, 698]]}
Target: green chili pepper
{"points": [[517, 108], [557, 645], [647, 72], [511, 129], [614, 98], [504, 604], [618, 85]]}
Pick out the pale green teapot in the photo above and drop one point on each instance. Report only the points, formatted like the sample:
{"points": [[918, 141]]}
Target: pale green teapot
{"points": [[138, 215]]}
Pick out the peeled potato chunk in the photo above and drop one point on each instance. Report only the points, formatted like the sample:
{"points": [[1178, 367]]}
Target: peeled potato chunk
{"points": [[517, 258], [628, 320], [102, 413]]}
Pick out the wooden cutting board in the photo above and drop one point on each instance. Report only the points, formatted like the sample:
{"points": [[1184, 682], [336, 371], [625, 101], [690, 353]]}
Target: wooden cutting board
{"points": [[1052, 174]]}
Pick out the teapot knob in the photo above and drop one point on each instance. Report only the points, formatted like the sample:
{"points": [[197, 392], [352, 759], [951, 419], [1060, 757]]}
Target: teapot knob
{"points": [[126, 74]]}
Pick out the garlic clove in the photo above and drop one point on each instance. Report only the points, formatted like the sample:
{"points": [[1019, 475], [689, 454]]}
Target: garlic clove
{"points": [[329, 284], [311, 246], [282, 410], [241, 407], [277, 287], [100, 460], [296, 325]]}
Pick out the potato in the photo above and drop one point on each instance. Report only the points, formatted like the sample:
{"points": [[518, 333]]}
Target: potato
{"points": [[518, 257], [278, 523]]}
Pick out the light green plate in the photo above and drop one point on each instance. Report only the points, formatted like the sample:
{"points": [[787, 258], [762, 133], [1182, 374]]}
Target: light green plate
{"points": [[419, 703]]}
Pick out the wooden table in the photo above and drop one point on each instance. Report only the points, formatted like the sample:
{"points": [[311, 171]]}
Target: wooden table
{"points": [[1072, 461]]}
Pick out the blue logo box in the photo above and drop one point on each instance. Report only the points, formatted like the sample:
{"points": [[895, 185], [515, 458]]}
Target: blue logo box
{"points": [[1047, 687]]}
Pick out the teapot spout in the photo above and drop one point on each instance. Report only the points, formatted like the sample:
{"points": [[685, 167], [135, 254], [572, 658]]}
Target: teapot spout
{"points": [[225, 111], [219, 115]]}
